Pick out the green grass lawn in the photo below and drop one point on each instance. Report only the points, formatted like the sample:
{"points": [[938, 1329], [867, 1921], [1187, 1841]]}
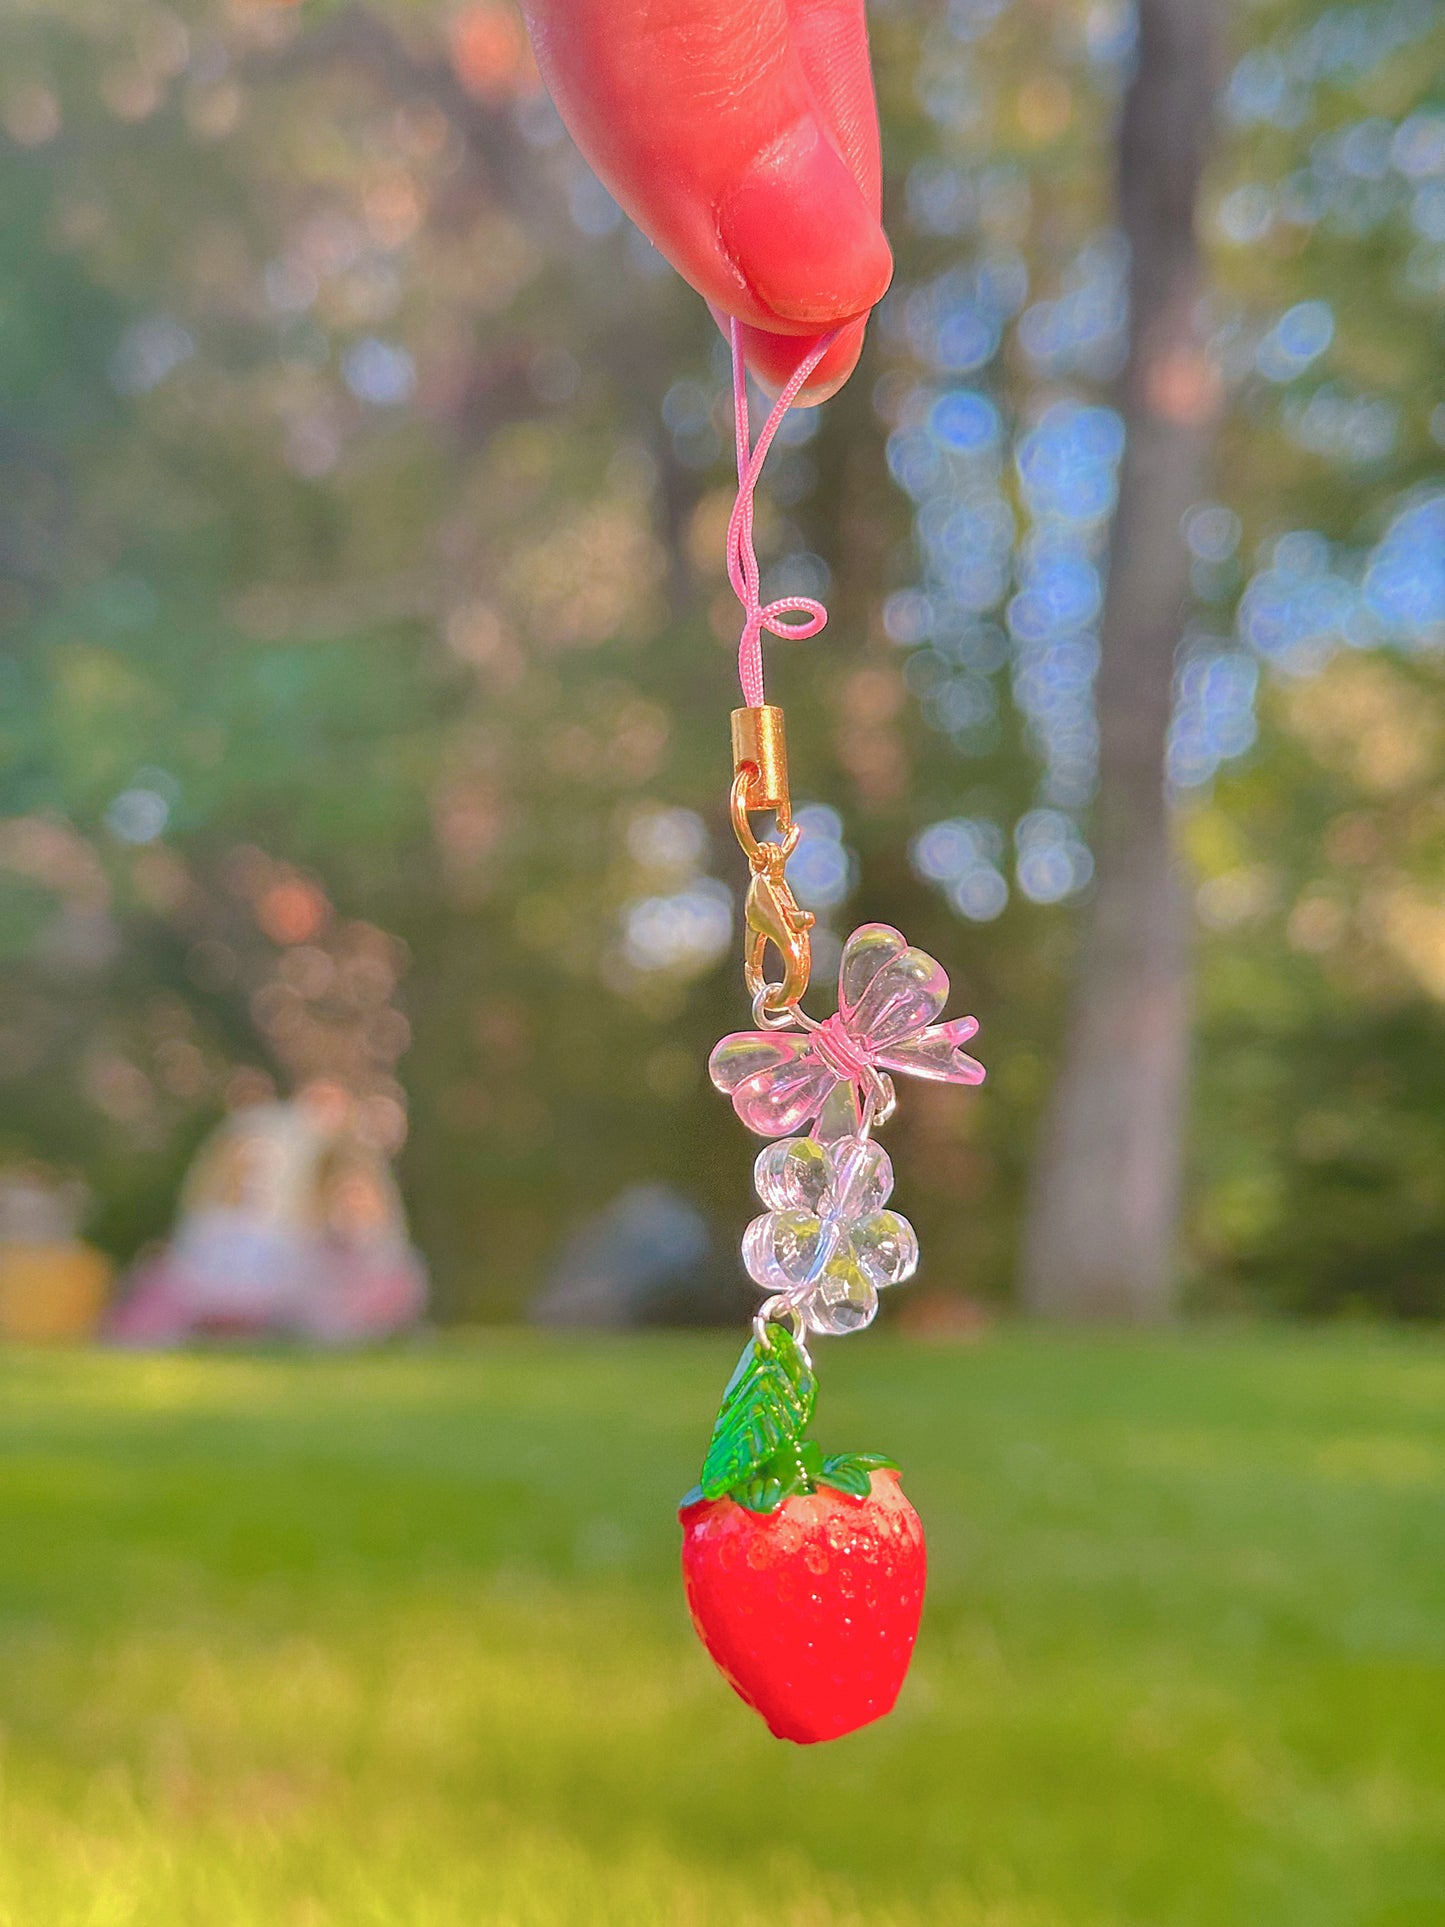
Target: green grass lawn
{"points": [[399, 1642]]}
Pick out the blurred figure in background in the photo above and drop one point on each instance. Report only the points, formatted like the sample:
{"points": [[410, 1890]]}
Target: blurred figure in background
{"points": [[647, 1259], [287, 1223]]}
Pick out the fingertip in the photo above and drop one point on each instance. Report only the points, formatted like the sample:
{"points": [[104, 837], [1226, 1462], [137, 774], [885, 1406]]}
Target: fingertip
{"points": [[771, 359], [801, 235], [837, 366]]}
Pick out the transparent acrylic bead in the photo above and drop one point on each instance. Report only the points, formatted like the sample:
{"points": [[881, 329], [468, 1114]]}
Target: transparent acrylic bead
{"points": [[885, 1248], [793, 1175], [780, 1248], [825, 1242], [842, 1301], [887, 991], [861, 1178]]}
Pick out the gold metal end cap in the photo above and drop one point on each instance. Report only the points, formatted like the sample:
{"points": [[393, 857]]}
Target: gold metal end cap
{"points": [[760, 744]]}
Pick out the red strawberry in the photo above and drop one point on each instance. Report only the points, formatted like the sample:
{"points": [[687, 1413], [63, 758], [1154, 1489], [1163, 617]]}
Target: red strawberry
{"points": [[810, 1610]]}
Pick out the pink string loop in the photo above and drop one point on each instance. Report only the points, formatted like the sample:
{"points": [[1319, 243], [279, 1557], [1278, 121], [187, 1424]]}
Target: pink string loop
{"points": [[742, 557]]}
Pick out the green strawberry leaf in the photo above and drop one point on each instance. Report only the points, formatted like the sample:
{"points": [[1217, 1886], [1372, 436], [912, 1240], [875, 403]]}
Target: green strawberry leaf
{"points": [[851, 1472], [766, 1407], [794, 1469], [759, 1455], [844, 1476], [763, 1494]]}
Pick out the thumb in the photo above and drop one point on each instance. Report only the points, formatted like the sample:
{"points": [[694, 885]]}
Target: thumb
{"points": [[713, 124]]}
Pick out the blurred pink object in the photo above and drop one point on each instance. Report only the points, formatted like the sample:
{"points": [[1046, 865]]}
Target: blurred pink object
{"points": [[287, 1224], [888, 998]]}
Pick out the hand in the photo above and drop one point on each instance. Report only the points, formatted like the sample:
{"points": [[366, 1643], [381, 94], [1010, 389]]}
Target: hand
{"points": [[742, 137]]}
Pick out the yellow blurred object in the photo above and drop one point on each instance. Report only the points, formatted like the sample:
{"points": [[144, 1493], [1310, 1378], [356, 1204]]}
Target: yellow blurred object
{"points": [[53, 1286], [51, 1293]]}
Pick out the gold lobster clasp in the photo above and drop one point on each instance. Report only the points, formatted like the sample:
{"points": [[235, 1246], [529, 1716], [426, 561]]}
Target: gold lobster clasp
{"points": [[771, 912]]}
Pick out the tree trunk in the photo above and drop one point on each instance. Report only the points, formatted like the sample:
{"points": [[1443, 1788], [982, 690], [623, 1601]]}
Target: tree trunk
{"points": [[1100, 1236]]}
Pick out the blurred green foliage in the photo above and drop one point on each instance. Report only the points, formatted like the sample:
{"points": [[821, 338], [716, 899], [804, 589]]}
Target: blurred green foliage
{"points": [[363, 490]]}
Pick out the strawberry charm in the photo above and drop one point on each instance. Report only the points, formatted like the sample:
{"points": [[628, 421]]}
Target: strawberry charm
{"points": [[804, 1575]]}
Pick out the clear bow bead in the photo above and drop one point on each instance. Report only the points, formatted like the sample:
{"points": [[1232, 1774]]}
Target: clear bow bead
{"points": [[826, 1245], [888, 998]]}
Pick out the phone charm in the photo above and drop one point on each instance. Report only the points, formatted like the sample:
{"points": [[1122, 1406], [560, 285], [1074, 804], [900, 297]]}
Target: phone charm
{"points": [[805, 1574]]}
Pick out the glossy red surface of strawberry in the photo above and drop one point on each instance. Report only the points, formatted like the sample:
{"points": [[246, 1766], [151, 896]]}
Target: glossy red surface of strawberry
{"points": [[811, 1611]]}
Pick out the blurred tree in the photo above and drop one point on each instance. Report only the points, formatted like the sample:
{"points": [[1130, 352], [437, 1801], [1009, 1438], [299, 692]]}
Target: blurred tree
{"points": [[1101, 1238]]}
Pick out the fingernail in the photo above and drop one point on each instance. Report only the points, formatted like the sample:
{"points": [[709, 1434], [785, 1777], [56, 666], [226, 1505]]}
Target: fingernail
{"points": [[801, 235]]}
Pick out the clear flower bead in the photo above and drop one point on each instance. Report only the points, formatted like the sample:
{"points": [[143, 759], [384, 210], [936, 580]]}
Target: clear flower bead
{"points": [[780, 1247], [793, 1175], [825, 1242], [885, 1247], [842, 1301], [861, 1178]]}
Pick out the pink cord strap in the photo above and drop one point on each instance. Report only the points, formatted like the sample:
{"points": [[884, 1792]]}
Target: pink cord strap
{"points": [[742, 557]]}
